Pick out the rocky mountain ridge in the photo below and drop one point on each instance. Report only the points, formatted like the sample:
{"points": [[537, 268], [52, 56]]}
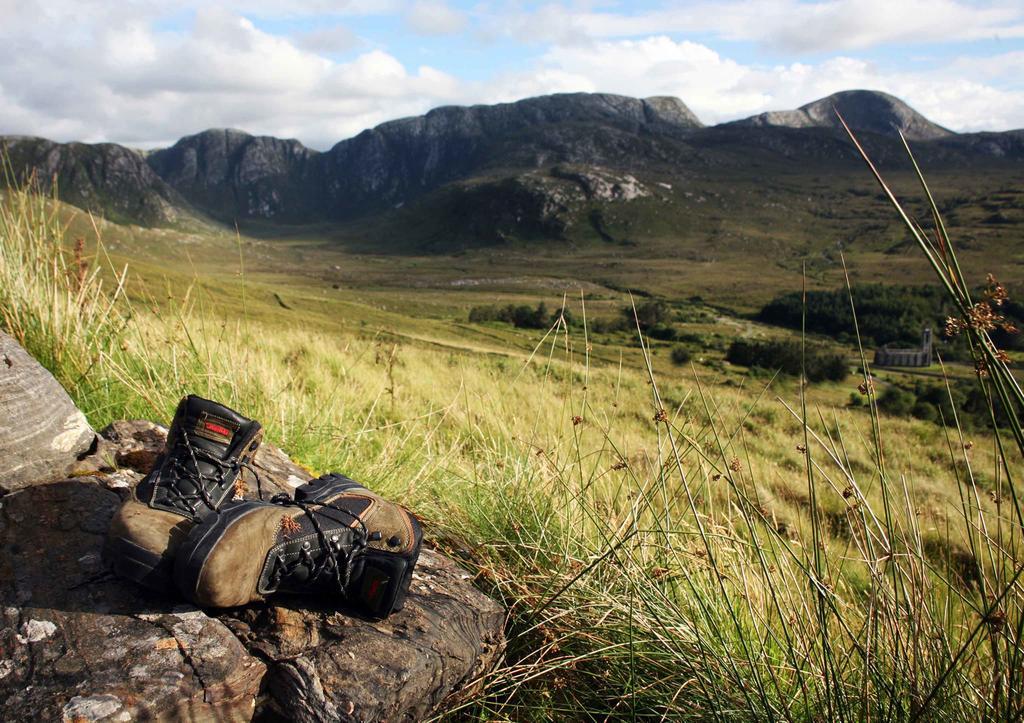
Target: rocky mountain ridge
{"points": [[103, 177], [492, 154], [230, 174]]}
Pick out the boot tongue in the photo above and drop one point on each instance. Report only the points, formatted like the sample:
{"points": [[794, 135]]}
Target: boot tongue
{"points": [[212, 433], [211, 427]]}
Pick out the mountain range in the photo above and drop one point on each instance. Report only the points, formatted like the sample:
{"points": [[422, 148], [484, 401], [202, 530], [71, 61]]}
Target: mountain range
{"points": [[485, 174]]}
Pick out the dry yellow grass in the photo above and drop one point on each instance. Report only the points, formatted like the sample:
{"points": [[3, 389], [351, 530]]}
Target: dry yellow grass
{"points": [[677, 548]]}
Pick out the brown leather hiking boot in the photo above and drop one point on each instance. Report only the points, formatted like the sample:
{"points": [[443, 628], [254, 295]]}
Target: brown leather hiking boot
{"points": [[208, 445], [336, 538]]}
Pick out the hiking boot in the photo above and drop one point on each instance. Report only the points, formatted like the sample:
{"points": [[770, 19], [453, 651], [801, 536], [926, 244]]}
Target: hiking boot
{"points": [[336, 538], [208, 445]]}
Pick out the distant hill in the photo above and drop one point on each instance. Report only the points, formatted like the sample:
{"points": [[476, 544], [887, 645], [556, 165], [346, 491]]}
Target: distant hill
{"points": [[867, 111], [547, 168], [105, 178]]}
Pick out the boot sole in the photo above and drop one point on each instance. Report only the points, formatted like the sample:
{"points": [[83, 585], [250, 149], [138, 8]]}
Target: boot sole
{"points": [[194, 551], [147, 568]]}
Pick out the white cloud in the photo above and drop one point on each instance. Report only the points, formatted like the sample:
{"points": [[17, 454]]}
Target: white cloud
{"points": [[514, 86], [1004, 66], [659, 66], [432, 17], [295, 8], [718, 89], [136, 85], [92, 70], [334, 39], [787, 25]]}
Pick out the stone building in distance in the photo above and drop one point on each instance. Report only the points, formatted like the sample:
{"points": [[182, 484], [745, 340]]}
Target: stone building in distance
{"points": [[887, 356]]}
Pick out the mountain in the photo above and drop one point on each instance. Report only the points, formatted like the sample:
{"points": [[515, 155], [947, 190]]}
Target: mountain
{"points": [[551, 168], [397, 161], [868, 111], [230, 174], [103, 178]]}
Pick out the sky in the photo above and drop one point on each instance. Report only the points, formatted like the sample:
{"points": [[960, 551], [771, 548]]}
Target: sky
{"points": [[146, 72]]}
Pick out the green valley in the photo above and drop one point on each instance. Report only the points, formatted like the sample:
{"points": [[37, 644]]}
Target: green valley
{"points": [[669, 531]]}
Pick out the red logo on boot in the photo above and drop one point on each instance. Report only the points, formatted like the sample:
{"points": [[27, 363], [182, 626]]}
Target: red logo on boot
{"points": [[215, 428]]}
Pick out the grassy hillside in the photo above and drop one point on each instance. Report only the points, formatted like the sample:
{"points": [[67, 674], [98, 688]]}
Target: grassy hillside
{"points": [[670, 541], [735, 237]]}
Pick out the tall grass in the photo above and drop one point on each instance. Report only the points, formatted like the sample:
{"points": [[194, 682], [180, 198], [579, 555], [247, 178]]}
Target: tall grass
{"points": [[666, 549], [50, 298]]}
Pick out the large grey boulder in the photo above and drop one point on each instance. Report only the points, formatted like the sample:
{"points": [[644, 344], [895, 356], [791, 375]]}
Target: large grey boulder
{"points": [[42, 432], [79, 645], [327, 665]]}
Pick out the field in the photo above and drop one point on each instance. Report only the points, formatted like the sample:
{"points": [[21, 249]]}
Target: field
{"points": [[671, 541]]}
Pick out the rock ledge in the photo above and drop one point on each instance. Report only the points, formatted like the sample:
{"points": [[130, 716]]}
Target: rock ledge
{"points": [[78, 644]]}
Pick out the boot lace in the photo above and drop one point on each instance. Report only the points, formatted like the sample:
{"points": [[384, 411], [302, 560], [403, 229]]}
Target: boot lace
{"points": [[187, 468], [333, 560]]}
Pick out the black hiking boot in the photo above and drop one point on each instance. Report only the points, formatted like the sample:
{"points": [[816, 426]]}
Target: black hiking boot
{"points": [[208, 446], [336, 538]]}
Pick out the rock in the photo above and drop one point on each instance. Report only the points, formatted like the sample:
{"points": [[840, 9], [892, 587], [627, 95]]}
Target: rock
{"points": [[329, 666], [135, 443], [277, 471], [124, 446], [671, 111], [42, 432], [601, 185], [77, 644], [131, 447]]}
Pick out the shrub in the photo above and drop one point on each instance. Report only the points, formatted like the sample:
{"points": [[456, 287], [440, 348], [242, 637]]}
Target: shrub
{"points": [[926, 411], [521, 316], [680, 355], [664, 332], [788, 358], [897, 402], [481, 314], [885, 313], [648, 314], [601, 325]]}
